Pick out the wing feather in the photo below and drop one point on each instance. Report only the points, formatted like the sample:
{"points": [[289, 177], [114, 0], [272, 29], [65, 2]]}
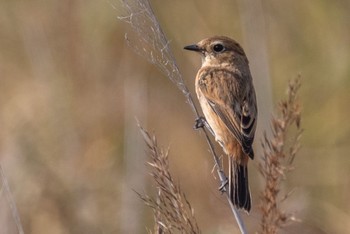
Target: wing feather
{"points": [[233, 103]]}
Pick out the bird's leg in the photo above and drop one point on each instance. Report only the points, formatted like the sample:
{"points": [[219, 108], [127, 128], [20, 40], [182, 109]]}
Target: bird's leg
{"points": [[201, 122]]}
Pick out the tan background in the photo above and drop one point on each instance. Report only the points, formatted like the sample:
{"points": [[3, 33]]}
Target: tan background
{"points": [[70, 90]]}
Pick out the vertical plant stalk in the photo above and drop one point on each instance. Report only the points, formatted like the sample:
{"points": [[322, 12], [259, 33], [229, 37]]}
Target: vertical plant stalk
{"points": [[152, 44], [10, 201], [278, 157]]}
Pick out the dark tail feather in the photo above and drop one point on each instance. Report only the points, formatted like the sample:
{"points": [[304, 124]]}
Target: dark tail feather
{"points": [[238, 185]]}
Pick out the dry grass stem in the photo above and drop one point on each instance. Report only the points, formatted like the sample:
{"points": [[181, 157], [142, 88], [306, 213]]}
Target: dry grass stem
{"points": [[5, 189], [172, 210], [279, 152]]}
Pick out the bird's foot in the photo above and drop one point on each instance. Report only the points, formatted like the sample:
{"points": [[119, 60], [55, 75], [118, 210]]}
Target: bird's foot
{"points": [[200, 122], [222, 187]]}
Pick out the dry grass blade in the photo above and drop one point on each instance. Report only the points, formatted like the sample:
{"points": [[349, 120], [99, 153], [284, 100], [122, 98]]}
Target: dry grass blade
{"points": [[172, 210], [278, 156]]}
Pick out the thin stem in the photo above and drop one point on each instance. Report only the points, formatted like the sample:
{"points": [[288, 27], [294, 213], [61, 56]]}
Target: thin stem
{"points": [[11, 201]]}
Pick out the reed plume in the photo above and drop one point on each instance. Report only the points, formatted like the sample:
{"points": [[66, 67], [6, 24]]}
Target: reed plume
{"points": [[172, 211], [279, 152]]}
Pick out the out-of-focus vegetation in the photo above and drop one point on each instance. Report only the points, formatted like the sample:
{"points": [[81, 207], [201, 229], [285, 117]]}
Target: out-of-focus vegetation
{"points": [[70, 89]]}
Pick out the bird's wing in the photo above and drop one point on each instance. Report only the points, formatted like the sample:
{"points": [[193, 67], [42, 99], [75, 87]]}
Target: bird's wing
{"points": [[234, 103]]}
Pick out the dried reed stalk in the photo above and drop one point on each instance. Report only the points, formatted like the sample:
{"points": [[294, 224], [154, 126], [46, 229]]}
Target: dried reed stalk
{"points": [[172, 210], [279, 152], [5, 189]]}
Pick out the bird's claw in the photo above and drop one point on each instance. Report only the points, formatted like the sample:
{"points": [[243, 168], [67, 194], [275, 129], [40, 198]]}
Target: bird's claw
{"points": [[199, 122], [222, 187]]}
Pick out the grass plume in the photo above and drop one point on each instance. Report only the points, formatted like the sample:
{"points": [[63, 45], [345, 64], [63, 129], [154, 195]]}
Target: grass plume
{"points": [[149, 41], [279, 152], [172, 210]]}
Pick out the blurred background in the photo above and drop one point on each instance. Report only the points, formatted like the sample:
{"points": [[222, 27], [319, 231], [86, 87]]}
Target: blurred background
{"points": [[71, 89]]}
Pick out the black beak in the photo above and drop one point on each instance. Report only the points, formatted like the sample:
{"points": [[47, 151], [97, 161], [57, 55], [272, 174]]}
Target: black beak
{"points": [[193, 48]]}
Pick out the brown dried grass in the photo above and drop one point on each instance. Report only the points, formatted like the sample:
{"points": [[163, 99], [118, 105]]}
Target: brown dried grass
{"points": [[279, 152], [172, 210]]}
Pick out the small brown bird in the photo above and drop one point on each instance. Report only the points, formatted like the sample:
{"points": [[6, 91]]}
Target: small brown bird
{"points": [[226, 94]]}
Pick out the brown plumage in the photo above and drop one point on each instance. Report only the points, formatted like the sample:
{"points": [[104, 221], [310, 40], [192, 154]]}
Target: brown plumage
{"points": [[226, 94]]}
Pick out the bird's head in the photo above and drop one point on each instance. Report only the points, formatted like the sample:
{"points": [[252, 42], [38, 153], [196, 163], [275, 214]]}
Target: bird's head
{"points": [[218, 50]]}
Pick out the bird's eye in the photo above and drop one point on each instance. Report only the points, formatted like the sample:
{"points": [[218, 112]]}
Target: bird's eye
{"points": [[218, 48]]}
